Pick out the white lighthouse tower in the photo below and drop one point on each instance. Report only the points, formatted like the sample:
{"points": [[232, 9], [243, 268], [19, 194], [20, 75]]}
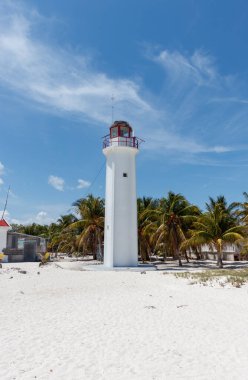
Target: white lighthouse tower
{"points": [[121, 239]]}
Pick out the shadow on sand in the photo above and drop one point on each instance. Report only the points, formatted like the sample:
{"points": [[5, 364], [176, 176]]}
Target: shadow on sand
{"points": [[172, 266]]}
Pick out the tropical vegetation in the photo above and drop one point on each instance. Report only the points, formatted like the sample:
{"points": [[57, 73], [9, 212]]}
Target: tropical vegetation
{"points": [[170, 227]]}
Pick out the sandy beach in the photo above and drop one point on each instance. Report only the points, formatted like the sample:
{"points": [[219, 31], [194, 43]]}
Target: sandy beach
{"points": [[69, 325]]}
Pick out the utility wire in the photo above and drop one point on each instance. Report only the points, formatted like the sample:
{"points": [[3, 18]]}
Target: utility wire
{"points": [[92, 183], [96, 177]]}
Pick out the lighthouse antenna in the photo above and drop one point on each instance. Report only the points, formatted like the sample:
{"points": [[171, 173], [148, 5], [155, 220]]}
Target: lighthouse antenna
{"points": [[112, 107], [6, 202]]}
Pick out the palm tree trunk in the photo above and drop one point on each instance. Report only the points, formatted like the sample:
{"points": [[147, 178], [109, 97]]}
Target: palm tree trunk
{"points": [[147, 255], [178, 253], [198, 257], [95, 247], [219, 260], [186, 256], [100, 247], [177, 249], [142, 252]]}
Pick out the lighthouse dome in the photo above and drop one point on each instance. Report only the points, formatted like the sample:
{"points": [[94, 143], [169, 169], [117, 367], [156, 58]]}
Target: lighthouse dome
{"points": [[121, 134], [120, 129]]}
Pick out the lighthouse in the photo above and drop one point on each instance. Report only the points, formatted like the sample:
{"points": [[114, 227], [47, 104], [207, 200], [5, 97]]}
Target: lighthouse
{"points": [[121, 237]]}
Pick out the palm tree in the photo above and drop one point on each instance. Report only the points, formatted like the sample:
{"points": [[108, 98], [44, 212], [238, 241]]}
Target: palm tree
{"points": [[60, 238], [242, 213], [146, 226], [67, 242], [216, 229], [176, 215], [90, 225], [229, 209], [35, 230], [65, 220]]}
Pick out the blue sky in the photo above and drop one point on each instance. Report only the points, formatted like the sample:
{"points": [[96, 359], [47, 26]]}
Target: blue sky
{"points": [[177, 71]]}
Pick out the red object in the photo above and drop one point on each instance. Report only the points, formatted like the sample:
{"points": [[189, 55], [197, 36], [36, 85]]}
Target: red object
{"points": [[120, 129], [3, 223], [121, 134]]}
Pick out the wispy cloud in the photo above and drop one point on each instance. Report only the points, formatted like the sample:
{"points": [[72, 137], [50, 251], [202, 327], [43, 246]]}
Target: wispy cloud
{"points": [[1, 173], [172, 121], [6, 214], [174, 142], [192, 96], [1, 168], [198, 67], [41, 217], [45, 213], [230, 100], [57, 182], [82, 184], [56, 78]]}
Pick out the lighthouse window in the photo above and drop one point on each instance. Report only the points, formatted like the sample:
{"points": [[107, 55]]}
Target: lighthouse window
{"points": [[114, 132], [124, 132], [124, 174]]}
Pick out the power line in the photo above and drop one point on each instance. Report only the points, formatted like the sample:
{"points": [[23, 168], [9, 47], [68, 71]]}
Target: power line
{"points": [[92, 183], [96, 177]]}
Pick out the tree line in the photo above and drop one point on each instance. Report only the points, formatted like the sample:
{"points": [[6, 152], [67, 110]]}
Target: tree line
{"points": [[167, 227]]}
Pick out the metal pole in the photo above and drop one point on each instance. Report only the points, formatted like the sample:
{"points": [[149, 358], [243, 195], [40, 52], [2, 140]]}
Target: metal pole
{"points": [[6, 202]]}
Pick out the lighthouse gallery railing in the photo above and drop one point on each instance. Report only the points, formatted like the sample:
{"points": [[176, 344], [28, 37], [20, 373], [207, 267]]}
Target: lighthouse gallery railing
{"points": [[132, 142]]}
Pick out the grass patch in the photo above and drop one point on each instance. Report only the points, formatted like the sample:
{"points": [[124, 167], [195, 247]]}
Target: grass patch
{"points": [[235, 277]]}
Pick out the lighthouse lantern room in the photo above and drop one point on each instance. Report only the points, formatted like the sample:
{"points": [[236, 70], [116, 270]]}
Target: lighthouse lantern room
{"points": [[121, 238]]}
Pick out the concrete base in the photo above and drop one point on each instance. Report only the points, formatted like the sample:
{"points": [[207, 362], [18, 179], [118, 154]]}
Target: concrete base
{"points": [[139, 268]]}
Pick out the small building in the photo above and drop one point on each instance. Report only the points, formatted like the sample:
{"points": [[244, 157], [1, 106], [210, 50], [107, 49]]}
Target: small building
{"points": [[231, 252], [22, 247], [4, 228]]}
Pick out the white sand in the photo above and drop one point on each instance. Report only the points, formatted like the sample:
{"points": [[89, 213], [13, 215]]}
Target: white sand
{"points": [[71, 325]]}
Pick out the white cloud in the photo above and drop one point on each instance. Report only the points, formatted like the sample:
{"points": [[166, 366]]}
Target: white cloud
{"points": [[192, 81], [230, 100], [1, 173], [82, 184], [56, 182], [1, 168], [15, 221], [161, 139], [57, 78], [6, 214], [41, 217], [42, 214], [198, 67], [63, 81]]}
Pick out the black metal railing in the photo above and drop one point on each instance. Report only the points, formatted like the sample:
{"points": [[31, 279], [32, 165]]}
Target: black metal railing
{"points": [[132, 142]]}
